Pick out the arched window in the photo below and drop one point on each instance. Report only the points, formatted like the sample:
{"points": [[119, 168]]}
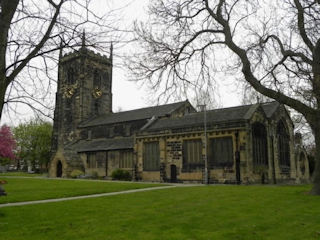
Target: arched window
{"points": [[259, 145], [70, 77], [97, 80], [283, 145]]}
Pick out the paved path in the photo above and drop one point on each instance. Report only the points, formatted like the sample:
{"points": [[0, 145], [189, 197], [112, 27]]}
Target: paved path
{"points": [[106, 181], [83, 197]]}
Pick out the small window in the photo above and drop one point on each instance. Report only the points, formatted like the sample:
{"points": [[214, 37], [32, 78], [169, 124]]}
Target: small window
{"points": [[70, 76], [221, 152], [192, 154], [126, 159], [151, 156]]}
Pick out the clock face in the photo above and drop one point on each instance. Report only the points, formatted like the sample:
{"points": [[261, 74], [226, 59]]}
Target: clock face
{"points": [[69, 92], [96, 93]]}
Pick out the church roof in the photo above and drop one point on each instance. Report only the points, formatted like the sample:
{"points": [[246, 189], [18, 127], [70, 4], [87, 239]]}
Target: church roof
{"points": [[215, 116], [103, 144], [132, 115]]}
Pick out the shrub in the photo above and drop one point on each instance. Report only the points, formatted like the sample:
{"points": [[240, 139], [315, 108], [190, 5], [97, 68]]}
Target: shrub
{"points": [[120, 174], [76, 173], [94, 175]]}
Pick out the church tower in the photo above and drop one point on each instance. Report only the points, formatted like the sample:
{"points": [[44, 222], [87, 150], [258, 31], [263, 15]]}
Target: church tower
{"points": [[83, 91]]}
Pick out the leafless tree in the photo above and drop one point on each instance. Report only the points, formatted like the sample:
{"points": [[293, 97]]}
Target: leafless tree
{"points": [[32, 32], [204, 97], [251, 96], [273, 45]]}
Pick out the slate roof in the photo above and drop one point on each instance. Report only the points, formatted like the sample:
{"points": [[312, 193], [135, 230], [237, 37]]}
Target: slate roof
{"points": [[216, 116], [138, 114], [103, 144], [223, 115]]}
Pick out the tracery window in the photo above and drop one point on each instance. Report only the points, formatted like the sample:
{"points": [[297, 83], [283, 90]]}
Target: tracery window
{"points": [[151, 156], [126, 159], [221, 152], [192, 154], [283, 145], [259, 145]]}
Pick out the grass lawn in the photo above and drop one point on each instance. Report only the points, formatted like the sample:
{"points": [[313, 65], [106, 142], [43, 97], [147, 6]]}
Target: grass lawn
{"points": [[22, 174], [208, 213], [27, 189]]}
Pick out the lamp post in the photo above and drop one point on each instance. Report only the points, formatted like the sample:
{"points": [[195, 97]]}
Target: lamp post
{"points": [[203, 109]]}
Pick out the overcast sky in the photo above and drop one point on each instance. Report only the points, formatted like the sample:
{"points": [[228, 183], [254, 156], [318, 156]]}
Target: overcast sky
{"points": [[128, 95]]}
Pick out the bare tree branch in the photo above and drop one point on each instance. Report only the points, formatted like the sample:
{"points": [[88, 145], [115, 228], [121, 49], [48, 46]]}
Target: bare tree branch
{"points": [[301, 24]]}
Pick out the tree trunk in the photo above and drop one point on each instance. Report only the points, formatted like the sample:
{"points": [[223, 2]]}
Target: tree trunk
{"points": [[3, 89], [8, 8], [316, 174]]}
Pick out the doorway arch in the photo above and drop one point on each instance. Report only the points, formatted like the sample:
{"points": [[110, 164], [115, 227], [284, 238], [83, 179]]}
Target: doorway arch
{"points": [[173, 173], [59, 169]]}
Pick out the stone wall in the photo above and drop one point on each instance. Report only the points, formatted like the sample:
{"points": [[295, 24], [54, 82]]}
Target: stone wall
{"points": [[171, 153]]}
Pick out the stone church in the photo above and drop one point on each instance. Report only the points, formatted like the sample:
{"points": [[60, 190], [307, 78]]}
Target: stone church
{"points": [[166, 143]]}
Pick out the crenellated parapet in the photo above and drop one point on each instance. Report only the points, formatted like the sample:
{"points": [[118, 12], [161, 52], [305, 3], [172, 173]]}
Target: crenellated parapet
{"points": [[84, 52]]}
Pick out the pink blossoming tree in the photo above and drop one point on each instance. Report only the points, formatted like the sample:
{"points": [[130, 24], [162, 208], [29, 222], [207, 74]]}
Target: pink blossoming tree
{"points": [[7, 145]]}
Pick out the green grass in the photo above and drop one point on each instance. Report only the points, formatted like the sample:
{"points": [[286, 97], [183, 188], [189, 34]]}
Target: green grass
{"points": [[22, 174], [27, 189], [208, 213]]}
